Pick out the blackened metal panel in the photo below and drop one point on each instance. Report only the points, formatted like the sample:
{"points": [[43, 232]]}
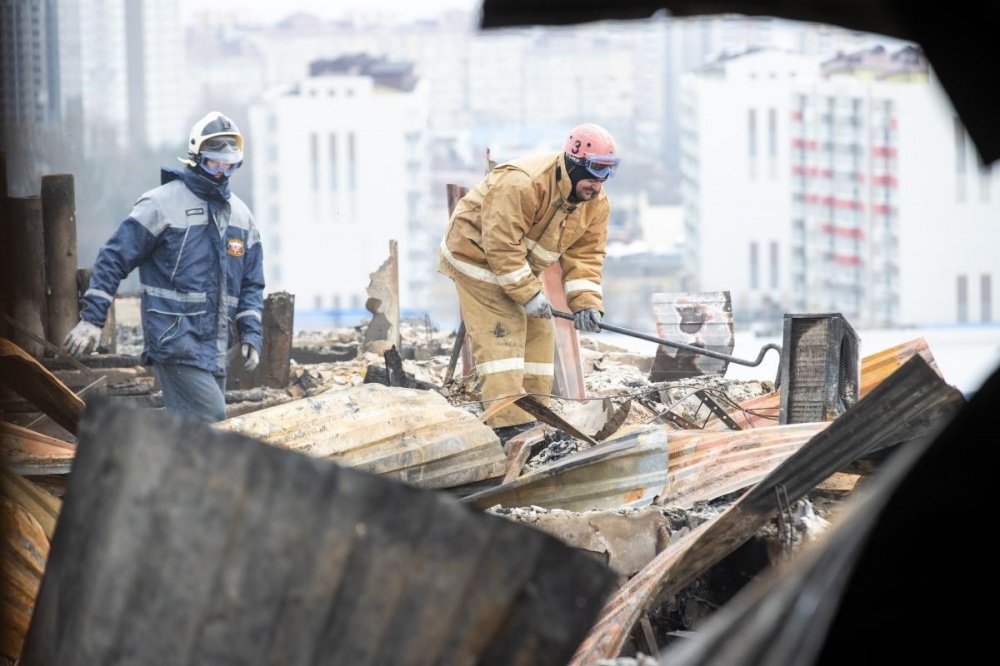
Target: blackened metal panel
{"points": [[181, 544], [820, 371]]}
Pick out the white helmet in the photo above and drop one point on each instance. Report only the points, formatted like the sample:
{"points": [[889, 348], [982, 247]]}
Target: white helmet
{"points": [[215, 137]]}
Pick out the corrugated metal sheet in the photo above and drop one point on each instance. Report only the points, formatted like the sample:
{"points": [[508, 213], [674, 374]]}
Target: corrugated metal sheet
{"points": [[406, 434], [656, 463]]}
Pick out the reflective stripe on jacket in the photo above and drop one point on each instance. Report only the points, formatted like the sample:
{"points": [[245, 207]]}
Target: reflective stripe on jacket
{"points": [[172, 237], [517, 222]]}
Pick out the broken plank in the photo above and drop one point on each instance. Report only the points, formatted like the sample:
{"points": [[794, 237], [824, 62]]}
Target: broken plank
{"points": [[43, 506], [897, 402], [517, 455], [29, 453], [180, 543], [25, 551], [27, 377]]}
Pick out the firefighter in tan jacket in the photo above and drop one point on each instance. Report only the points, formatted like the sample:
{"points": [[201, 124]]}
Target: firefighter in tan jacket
{"points": [[524, 216]]}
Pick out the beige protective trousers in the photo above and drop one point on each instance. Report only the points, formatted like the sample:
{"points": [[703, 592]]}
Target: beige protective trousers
{"points": [[513, 352]]}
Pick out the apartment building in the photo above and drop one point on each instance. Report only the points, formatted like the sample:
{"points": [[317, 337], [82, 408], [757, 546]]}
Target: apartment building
{"points": [[841, 184], [341, 167]]}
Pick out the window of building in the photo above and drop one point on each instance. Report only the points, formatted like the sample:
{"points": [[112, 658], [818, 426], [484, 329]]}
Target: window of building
{"points": [[352, 166], [772, 132], [775, 265], [752, 133], [333, 162], [986, 298], [754, 266], [960, 158], [962, 298], [314, 160]]}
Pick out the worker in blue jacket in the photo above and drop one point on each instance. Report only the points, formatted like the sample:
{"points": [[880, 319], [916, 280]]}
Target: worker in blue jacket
{"points": [[201, 274]]}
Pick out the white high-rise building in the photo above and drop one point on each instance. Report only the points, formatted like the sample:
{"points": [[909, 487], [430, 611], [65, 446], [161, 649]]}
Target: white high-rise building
{"points": [[156, 71], [735, 177], [839, 186], [341, 168], [122, 73]]}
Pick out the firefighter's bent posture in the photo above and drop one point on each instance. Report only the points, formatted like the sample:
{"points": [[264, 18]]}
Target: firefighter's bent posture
{"points": [[524, 216]]}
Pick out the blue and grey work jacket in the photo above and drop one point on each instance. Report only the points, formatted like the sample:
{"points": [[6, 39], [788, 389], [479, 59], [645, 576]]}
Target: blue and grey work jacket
{"points": [[200, 267]]}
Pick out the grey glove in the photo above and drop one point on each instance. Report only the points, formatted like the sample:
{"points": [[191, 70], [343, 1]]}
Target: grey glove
{"points": [[82, 338], [588, 320], [250, 357], [538, 307]]}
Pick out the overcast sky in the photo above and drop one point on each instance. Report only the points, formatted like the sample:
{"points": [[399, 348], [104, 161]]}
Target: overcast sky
{"points": [[271, 10]]}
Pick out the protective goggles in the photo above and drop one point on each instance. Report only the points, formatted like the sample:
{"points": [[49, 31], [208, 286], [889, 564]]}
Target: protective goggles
{"points": [[225, 148], [599, 166], [225, 169]]}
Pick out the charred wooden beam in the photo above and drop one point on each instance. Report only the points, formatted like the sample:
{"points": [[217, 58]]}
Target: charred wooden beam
{"points": [[59, 224], [27, 274], [274, 369]]}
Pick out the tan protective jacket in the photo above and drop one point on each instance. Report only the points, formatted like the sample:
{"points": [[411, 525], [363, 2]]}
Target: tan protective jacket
{"points": [[517, 222]]}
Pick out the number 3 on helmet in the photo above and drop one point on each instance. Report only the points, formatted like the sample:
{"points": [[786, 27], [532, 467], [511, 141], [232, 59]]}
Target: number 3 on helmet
{"points": [[592, 147]]}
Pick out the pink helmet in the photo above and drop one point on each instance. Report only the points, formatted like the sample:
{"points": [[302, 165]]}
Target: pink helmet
{"points": [[592, 147]]}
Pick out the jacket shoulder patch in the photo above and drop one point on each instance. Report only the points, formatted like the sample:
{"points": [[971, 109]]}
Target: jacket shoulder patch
{"points": [[235, 248]]}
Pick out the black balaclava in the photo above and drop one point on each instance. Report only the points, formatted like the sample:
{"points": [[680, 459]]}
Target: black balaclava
{"points": [[576, 173]]}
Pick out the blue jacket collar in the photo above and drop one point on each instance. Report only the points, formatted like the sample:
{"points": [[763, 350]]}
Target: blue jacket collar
{"points": [[200, 185]]}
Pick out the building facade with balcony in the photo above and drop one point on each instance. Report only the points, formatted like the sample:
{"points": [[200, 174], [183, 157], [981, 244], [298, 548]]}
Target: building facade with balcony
{"points": [[862, 188]]}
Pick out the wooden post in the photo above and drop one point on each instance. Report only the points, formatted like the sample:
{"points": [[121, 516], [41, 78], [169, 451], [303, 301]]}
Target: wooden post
{"points": [[274, 369], [279, 329], [59, 225], [6, 277], [27, 273]]}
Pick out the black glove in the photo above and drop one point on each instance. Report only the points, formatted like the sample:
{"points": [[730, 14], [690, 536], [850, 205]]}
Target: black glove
{"points": [[588, 320]]}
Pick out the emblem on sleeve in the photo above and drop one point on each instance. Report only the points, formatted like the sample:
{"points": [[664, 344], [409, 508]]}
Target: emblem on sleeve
{"points": [[234, 247]]}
